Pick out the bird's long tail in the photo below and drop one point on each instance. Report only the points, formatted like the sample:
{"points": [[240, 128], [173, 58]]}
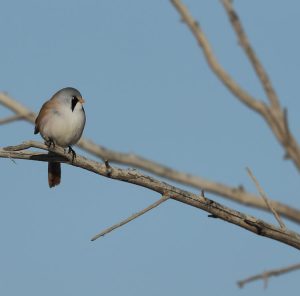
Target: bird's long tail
{"points": [[54, 173]]}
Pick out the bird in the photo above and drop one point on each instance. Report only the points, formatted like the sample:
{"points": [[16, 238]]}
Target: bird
{"points": [[60, 122]]}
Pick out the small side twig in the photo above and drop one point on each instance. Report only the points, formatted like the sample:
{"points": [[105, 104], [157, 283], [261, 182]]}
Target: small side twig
{"points": [[213, 63], [132, 217], [267, 274], [11, 118], [265, 198], [257, 65], [286, 126]]}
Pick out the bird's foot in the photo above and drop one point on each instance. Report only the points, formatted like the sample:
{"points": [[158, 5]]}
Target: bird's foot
{"points": [[73, 153], [108, 168], [50, 143]]}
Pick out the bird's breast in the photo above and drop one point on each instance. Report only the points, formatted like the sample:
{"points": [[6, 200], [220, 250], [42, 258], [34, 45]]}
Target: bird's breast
{"points": [[64, 126]]}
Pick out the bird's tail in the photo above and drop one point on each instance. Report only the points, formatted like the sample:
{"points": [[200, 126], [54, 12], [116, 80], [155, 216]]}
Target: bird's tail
{"points": [[54, 173]]}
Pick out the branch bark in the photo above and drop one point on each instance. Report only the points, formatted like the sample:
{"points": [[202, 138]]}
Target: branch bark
{"points": [[245, 221], [236, 194], [212, 61], [267, 274], [273, 114], [10, 119], [266, 199], [257, 65], [129, 219]]}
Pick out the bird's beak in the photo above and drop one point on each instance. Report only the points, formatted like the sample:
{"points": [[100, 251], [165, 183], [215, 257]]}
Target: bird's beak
{"points": [[81, 100]]}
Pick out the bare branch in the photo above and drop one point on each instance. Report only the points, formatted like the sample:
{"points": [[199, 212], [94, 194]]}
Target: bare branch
{"points": [[224, 77], [16, 107], [236, 194], [276, 116], [247, 222], [244, 42], [11, 118], [267, 274], [265, 198], [132, 217], [272, 114]]}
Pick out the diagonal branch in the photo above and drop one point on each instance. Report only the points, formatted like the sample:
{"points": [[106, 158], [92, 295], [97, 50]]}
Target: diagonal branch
{"points": [[236, 194], [267, 274], [274, 115], [220, 211], [129, 219], [11, 118], [244, 42], [17, 108], [224, 77], [265, 198]]}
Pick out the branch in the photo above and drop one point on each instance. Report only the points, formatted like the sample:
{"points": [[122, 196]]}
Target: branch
{"points": [[11, 119], [276, 117], [244, 42], [132, 217], [223, 76], [267, 274], [273, 114], [247, 222], [236, 194], [265, 198], [17, 108]]}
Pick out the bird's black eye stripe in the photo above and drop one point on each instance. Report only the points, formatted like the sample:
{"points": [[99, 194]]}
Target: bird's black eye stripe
{"points": [[74, 102]]}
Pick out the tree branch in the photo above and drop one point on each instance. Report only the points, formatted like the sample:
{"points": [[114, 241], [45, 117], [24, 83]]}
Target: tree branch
{"points": [[265, 198], [236, 194], [129, 219], [273, 114], [244, 42], [267, 274], [223, 76], [247, 222], [11, 118]]}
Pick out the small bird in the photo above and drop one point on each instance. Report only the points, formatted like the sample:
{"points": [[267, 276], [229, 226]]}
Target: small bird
{"points": [[61, 122]]}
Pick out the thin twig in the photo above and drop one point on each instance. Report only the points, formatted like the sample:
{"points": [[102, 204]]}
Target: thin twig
{"points": [[132, 217], [11, 118], [135, 177], [286, 128], [236, 194], [272, 114], [265, 198], [224, 77], [257, 65], [267, 274]]}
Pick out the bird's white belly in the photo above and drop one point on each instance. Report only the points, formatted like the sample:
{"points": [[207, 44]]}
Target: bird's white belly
{"points": [[64, 128]]}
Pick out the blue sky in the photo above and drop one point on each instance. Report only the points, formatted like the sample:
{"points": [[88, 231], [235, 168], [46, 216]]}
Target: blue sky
{"points": [[149, 91]]}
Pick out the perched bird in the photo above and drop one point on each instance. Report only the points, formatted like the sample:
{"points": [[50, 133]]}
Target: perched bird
{"points": [[61, 122]]}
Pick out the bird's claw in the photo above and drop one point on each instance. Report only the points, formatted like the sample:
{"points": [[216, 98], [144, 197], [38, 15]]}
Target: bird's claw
{"points": [[73, 153], [50, 143]]}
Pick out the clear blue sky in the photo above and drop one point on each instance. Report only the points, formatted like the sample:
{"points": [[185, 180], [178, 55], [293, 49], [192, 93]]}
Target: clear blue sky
{"points": [[148, 90]]}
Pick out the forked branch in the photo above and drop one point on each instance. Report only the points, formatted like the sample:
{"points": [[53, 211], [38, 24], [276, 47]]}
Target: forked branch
{"points": [[212, 61], [265, 276], [273, 114], [257, 65]]}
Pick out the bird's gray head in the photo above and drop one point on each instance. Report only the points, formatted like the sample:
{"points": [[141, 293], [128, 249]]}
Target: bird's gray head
{"points": [[70, 96]]}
